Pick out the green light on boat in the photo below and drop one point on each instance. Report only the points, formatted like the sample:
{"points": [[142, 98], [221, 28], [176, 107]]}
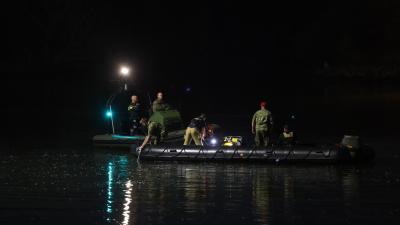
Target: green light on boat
{"points": [[126, 137], [109, 113]]}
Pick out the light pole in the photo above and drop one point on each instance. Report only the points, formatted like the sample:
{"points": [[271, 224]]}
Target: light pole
{"points": [[124, 73], [110, 114]]}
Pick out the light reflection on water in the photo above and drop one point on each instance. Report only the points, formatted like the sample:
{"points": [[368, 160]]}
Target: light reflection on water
{"points": [[109, 190], [243, 193], [128, 199], [103, 188], [117, 172]]}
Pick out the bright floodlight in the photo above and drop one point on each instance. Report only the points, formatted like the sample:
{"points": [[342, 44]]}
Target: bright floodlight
{"points": [[124, 71], [214, 141]]}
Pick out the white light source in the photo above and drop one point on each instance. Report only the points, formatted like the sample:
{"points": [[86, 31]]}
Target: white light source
{"points": [[213, 141], [124, 71]]}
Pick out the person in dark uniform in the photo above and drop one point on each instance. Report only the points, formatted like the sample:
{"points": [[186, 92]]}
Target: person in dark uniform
{"points": [[135, 111]]}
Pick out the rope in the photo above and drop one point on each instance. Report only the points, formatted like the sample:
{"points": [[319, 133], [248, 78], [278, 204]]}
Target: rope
{"points": [[236, 149], [182, 149], [162, 152], [290, 151], [201, 149], [216, 153], [251, 153]]}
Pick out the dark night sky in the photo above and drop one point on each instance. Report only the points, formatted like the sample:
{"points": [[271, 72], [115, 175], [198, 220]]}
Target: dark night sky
{"points": [[209, 39], [63, 54]]}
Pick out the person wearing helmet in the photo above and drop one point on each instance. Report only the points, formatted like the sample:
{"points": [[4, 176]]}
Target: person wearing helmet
{"points": [[261, 125]]}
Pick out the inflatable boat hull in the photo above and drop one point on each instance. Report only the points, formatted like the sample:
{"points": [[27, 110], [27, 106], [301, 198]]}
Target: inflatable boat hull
{"points": [[243, 154]]}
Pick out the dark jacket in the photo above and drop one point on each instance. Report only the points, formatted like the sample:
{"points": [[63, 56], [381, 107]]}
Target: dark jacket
{"points": [[198, 123]]}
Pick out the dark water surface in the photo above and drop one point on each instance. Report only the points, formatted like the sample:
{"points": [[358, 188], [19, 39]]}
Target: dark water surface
{"points": [[71, 186]]}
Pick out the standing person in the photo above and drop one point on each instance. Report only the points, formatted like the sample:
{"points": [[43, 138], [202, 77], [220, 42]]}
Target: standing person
{"points": [[159, 104], [196, 130], [261, 125], [135, 111]]}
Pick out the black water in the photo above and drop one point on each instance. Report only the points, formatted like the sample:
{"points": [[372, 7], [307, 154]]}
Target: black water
{"points": [[91, 186]]}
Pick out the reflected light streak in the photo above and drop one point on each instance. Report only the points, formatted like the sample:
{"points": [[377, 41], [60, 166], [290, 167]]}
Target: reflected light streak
{"points": [[350, 185], [128, 199], [109, 190]]}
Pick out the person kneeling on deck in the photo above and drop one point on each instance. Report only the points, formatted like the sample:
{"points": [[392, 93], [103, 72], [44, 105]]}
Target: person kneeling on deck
{"points": [[287, 137], [153, 130], [196, 130]]}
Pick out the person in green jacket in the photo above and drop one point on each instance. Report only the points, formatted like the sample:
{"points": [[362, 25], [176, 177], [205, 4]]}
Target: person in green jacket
{"points": [[154, 129], [159, 104], [261, 125]]}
